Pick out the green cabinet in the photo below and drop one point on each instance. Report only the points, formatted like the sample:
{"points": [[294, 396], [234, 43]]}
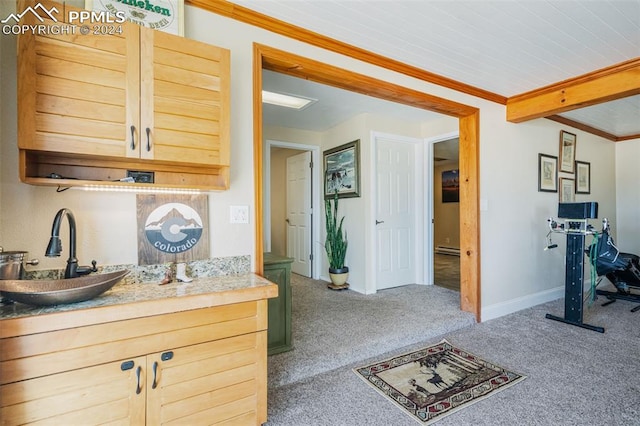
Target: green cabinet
{"points": [[277, 269]]}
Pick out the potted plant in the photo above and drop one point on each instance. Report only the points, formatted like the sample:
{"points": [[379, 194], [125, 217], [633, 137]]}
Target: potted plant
{"points": [[335, 245]]}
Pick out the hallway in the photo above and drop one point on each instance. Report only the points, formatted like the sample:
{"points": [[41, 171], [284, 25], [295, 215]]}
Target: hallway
{"points": [[446, 271]]}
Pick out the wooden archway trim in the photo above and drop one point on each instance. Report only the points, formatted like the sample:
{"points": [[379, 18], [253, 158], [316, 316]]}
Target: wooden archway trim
{"points": [[269, 58]]}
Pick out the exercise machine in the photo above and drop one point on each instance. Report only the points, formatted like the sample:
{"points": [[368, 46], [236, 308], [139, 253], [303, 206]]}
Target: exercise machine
{"points": [[576, 228], [622, 269]]}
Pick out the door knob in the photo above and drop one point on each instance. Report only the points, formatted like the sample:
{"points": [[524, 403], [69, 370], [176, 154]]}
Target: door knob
{"points": [[378, 222], [287, 220]]}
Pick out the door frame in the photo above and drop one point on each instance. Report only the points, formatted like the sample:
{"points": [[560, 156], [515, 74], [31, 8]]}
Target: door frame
{"points": [[419, 190], [429, 180], [266, 57], [315, 197]]}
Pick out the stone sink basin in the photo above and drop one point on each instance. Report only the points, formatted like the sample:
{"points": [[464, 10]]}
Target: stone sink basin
{"points": [[57, 292]]}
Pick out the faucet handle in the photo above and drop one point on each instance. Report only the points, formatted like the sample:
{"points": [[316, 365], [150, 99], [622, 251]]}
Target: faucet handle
{"points": [[84, 270]]}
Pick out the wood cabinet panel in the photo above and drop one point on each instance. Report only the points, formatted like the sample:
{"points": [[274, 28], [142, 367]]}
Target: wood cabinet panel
{"points": [[103, 52], [82, 72], [59, 87], [204, 378], [48, 353], [101, 393], [66, 81], [142, 95], [191, 73], [79, 108], [193, 367]]}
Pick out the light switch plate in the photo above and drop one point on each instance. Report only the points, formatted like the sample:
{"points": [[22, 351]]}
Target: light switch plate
{"points": [[239, 214]]}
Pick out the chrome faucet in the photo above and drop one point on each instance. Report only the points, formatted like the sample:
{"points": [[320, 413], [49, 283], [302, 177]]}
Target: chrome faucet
{"points": [[55, 246]]}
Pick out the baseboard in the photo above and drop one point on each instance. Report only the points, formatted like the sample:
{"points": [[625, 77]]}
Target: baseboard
{"points": [[505, 308], [453, 251]]}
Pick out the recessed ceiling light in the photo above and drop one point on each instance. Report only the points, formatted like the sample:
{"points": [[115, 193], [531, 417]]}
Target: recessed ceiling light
{"points": [[287, 101]]}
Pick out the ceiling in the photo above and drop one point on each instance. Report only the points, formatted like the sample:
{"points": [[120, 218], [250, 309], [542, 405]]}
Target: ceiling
{"points": [[503, 47], [333, 105]]}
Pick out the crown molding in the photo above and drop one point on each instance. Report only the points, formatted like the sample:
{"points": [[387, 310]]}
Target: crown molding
{"points": [[582, 126]]}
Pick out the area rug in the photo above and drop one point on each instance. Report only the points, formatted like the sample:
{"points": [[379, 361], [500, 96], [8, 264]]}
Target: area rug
{"points": [[436, 381]]}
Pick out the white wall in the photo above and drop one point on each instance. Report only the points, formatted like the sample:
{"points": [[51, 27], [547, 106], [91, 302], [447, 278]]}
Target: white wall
{"points": [[627, 223], [515, 271], [358, 211]]}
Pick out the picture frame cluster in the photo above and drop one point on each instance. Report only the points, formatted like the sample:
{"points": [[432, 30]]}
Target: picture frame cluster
{"points": [[576, 175]]}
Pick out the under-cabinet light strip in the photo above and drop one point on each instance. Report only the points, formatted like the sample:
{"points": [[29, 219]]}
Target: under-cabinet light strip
{"points": [[119, 188]]}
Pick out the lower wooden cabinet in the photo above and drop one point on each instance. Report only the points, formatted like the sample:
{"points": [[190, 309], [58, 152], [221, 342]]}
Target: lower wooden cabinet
{"points": [[209, 367], [215, 380]]}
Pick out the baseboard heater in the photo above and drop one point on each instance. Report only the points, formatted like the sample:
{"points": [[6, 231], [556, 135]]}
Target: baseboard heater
{"points": [[448, 250]]}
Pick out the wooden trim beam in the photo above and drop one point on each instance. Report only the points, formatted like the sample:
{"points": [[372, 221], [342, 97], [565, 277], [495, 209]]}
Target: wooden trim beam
{"points": [[254, 18], [276, 60], [309, 69], [470, 213], [627, 137], [615, 82], [258, 161], [581, 126]]}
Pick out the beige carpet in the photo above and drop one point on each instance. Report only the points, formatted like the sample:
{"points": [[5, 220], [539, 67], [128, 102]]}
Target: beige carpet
{"points": [[331, 329]]}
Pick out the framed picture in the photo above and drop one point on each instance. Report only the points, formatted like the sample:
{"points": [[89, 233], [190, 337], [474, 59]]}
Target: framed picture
{"points": [[162, 15], [583, 177], [567, 151], [451, 186], [567, 190], [342, 170], [547, 173]]}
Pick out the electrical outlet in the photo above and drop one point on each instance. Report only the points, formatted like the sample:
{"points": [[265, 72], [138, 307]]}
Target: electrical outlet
{"points": [[141, 177], [239, 214]]}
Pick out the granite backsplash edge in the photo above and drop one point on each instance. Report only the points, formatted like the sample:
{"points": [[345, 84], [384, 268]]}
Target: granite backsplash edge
{"points": [[214, 267]]}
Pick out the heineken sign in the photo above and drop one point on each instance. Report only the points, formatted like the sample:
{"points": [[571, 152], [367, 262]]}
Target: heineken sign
{"points": [[163, 15]]}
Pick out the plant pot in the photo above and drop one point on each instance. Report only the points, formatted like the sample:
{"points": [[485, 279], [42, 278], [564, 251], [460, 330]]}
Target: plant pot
{"points": [[339, 278]]}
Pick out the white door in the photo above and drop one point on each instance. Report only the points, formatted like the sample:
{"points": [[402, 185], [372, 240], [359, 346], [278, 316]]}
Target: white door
{"points": [[395, 216], [299, 212]]}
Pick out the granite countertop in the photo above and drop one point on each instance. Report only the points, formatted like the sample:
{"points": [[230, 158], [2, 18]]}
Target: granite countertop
{"points": [[125, 297]]}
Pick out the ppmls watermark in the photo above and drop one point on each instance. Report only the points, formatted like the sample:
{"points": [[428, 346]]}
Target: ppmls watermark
{"points": [[79, 22]]}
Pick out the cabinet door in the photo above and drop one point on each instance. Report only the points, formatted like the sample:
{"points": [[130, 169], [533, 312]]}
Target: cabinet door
{"points": [[279, 330], [78, 93], [101, 394], [184, 100], [213, 382]]}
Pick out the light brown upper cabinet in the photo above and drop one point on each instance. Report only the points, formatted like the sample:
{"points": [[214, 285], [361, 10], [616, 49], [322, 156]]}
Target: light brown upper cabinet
{"points": [[92, 106]]}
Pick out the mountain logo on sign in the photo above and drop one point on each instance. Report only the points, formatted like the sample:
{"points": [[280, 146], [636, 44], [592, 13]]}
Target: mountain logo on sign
{"points": [[173, 228]]}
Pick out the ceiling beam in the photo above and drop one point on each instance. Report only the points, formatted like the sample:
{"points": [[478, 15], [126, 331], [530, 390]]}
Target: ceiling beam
{"points": [[615, 82]]}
